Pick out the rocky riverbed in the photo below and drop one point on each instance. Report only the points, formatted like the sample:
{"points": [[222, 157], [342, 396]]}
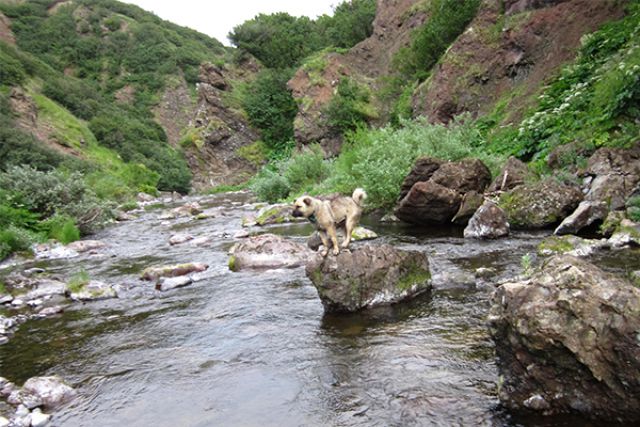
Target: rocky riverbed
{"points": [[167, 334]]}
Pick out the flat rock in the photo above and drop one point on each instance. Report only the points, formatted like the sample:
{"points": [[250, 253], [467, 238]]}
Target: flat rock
{"points": [[153, 273], [94, 290], [268, 251], [168, 283]]}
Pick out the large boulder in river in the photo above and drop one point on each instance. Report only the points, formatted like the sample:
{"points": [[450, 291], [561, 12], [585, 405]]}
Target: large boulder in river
{"points": [[268, 251], [367, 276], [489, 222], [513, 174], [433, 191], [567, 341], [540, 204], [49, 392], [428, 202]]}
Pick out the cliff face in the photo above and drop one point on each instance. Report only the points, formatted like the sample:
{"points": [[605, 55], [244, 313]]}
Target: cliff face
{"points": [[506, 55], [508, 52], [314, 84]]}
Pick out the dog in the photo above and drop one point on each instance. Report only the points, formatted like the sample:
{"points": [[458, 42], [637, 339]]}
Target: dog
{"points": [[327, 215]]}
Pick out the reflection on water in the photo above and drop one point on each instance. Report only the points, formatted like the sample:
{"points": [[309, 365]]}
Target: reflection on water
{"points": [[255, 349]]}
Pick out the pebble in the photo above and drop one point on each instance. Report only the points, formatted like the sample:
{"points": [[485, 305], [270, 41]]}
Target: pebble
{"points": [[3, 421], [39, 419]]}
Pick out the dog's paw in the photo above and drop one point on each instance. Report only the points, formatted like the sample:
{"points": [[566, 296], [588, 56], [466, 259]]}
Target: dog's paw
{"points": [[336, 251], [324, 252]]}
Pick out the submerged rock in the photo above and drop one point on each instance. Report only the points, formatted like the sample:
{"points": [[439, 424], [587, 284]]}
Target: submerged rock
{"points": [[268, 251], [153, 273], [86, 245], [168, 283], [178, 239], [368, 276], [50, 391], [567, 341]]}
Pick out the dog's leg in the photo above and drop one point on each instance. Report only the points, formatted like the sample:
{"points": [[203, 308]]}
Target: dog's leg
{"points": [[334, 239], [349, 225], [325, 243]]}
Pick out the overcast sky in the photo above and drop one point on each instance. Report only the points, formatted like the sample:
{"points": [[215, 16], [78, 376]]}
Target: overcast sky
{"points": [[217, 18]]}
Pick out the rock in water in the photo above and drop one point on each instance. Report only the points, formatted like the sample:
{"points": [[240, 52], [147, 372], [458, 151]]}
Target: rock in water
{"points": [[489, 222], [567, 341], [153, 273], [52, 391], [368, 276], [268, 251]]}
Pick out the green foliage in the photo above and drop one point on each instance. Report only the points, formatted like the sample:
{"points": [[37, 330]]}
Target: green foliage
{"points": [[379, 159], [51, 193], [61, 227], [349, 107], [271, 108], [281, 41], [12, 72], [351, 22], [15, 239], [78, 97], [255, 153], [270, 186], [447, 20], [594, 102], [305, 169], [78, 281], [278, 40], [141, 140], [633, 208]]}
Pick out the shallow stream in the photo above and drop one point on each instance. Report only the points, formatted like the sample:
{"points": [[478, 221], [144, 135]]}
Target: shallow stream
{"points": [[255, 349]]}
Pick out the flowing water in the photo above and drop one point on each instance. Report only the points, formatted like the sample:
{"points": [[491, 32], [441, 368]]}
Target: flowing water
{"points": [[255, 348]]}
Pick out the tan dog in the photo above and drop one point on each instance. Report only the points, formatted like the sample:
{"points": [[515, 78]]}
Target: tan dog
{"points": [[329, 214]]}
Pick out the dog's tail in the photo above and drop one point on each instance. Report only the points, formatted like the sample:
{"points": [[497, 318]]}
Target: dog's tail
{"points": [[358, 196]]}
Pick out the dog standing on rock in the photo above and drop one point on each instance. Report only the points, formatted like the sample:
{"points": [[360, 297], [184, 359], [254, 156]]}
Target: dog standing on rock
{"points": [[327, 215]]}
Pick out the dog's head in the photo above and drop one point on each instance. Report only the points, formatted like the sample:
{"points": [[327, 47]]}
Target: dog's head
{"points": [[303, 207]]}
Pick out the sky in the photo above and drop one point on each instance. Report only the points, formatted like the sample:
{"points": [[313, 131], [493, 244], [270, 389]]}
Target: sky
{"points": [[217, 18]]}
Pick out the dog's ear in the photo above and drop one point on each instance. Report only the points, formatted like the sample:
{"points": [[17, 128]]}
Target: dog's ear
{"points": [[307, 201]]}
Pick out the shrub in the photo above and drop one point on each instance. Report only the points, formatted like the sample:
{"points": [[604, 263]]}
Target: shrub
{"points": [[50, 193], [349, 107], [62, 228], [271, 108], [15, 239], [305, 169], [270, 186]]}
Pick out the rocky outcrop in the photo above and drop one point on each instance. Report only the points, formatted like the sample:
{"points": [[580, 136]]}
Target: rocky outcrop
{"points": [[94, 290], [216, 132], [489, 222], [314, 85], [367, 276], [268, 251], [566, 341], [359, 233], [539, 205], [612, 175], [438, 198], [504, 51]]}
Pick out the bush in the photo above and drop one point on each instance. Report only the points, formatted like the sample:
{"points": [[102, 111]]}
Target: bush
{"points": [[271, 108], [15, 239], [350, 106], [51, 193], [305, 169], [270, 186], [77, 96], [352, 22], [62, 228]]}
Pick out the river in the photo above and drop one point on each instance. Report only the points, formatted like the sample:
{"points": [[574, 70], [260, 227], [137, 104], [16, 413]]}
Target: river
{"points": [[255, 348]]}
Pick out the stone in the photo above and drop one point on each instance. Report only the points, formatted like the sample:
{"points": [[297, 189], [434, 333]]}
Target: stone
{"points": [[46, 287], [428, 203], [212, 74], [52, 390], [3, 421], [571, 245], [275, 214], [422, 170], [153, 273], [86, 245], [267, 251], [470, 203], [368, 276], [626, 235], [94, 290], [489, 222], [167, 283], [513, 174], [587, 213], [539, 205], [53, 251], [39, 419], [567, 341], [177, 239], [50, 311], [463, 176]]}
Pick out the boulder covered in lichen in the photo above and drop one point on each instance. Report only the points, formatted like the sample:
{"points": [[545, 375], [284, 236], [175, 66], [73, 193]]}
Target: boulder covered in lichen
{"points": [[368, 276]]}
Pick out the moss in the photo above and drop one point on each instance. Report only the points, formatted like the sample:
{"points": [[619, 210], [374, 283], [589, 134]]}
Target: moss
{"points": [[78, 282], [271, 213], [555, 244], [255, 153], [232, 263], [414, 275], [3, 289]]}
